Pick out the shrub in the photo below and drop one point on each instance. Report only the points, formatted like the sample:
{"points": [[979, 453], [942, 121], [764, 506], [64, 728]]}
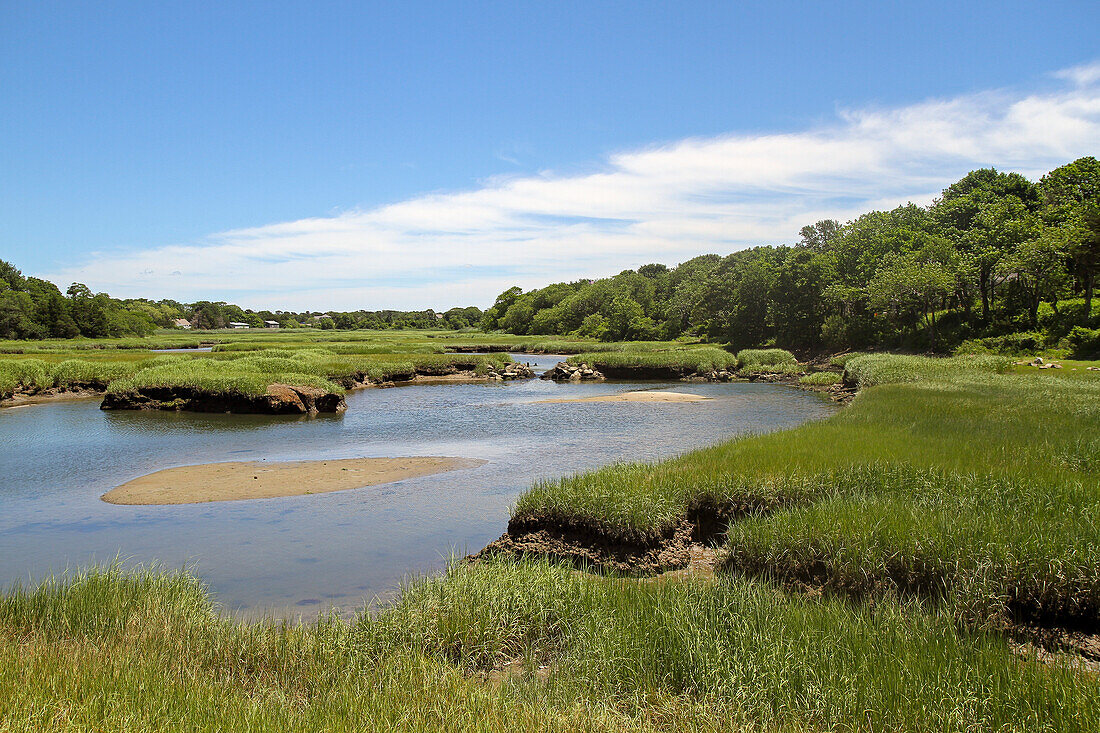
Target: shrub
{"points": [[1011, 344], [1085, 342]]}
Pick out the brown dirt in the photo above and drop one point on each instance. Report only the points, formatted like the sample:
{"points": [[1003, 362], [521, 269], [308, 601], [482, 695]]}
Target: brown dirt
{"points": [[607, 549], [590, 548], [1075, 649], [261, 480], [53, 394]]}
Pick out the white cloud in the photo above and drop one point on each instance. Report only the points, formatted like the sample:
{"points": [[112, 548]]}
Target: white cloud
{"points": [[665, 203]]}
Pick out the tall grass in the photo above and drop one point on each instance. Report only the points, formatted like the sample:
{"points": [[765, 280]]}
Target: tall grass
{"points": [[119, 651], [821, 378], [34, 375], [240, 376], [868, 370], [687, 361], [970, 482], [766, 360], [324, 365]]}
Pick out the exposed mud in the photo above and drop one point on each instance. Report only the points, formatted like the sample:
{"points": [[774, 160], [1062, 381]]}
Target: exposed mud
{"points": [[606, 549], [235, 480], [74, 391], [1057, 647], [591, 548]]}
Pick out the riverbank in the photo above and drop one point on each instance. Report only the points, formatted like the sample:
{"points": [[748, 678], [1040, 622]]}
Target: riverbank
{"points": [[234, 481]]}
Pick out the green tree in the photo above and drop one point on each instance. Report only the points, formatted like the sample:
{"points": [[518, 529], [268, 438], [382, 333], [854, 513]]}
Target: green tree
{"points": [[912, 285], [1037, 267], [1071, 195]]}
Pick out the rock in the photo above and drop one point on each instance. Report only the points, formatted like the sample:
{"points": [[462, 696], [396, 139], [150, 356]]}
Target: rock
{"points": [[517, 371], [565, 371]]}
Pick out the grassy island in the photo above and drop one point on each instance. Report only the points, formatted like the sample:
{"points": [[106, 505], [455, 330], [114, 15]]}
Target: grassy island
{"points": [[240, 372]]}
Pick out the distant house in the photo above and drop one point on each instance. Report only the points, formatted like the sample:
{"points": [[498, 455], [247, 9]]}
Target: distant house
{"points": [[182, 323], [439, 316], [237, 324], [271, 324], [325, 317]]}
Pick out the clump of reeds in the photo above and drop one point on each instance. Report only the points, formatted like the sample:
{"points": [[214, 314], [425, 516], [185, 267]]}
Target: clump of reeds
{"points": [[821, 378]]}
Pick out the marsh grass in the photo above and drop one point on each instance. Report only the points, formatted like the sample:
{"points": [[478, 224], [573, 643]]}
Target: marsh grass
{"points": [[325, 365], [821, 378], [756, 360], [969, 482], [688, 360], [34, 375], [869, 370], [141, 650]]}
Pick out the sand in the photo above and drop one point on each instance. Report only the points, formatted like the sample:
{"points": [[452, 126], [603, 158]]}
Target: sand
{"points": [[644, 396], [262, 480]]}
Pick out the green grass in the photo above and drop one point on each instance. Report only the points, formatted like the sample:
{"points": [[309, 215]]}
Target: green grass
{"points": [[691, 360], [776, 361], [35, 375], [244, 365], [111, 650], [821, 378], [967, 482], [869, 370], [1071, 369]]}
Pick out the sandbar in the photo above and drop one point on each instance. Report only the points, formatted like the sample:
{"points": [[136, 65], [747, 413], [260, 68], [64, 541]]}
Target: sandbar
{"points": [[238, 480], [653, 395]]}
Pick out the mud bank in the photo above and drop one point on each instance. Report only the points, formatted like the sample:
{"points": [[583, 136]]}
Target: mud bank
{"points": [[23, 397], [261, 480], [610, 549], [280, 399]]}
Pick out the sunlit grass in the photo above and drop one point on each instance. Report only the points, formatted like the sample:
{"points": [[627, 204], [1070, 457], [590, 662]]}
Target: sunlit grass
{"points": [[113, 650], [695, 360], [969, 482]]}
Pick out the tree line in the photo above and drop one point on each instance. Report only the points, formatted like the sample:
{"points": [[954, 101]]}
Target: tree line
{"points": [[995, 254], [32, 308]]}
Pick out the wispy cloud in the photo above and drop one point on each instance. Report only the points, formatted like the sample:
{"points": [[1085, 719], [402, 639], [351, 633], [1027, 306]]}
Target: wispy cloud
{"points": [[665, 203]]}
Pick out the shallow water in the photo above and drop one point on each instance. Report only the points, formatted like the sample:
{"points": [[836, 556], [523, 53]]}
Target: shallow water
{"points": [[297, 555]]}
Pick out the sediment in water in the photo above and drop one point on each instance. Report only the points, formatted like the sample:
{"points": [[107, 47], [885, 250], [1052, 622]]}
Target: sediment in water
{"points": [[232, 481]]}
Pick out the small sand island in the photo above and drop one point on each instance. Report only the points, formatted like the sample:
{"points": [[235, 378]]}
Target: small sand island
{"points": [[262, 480], [639, 396]]}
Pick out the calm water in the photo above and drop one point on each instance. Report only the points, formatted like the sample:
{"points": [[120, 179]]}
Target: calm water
{"points": [[297, 555]]}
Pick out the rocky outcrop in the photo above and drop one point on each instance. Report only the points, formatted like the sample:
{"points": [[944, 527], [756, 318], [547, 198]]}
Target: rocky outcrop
{"points": [[514, 370], [280, 399], [566, 372]]}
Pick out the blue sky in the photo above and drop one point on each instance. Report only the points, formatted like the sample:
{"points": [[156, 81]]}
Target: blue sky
{"points": [[345, 155]]}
